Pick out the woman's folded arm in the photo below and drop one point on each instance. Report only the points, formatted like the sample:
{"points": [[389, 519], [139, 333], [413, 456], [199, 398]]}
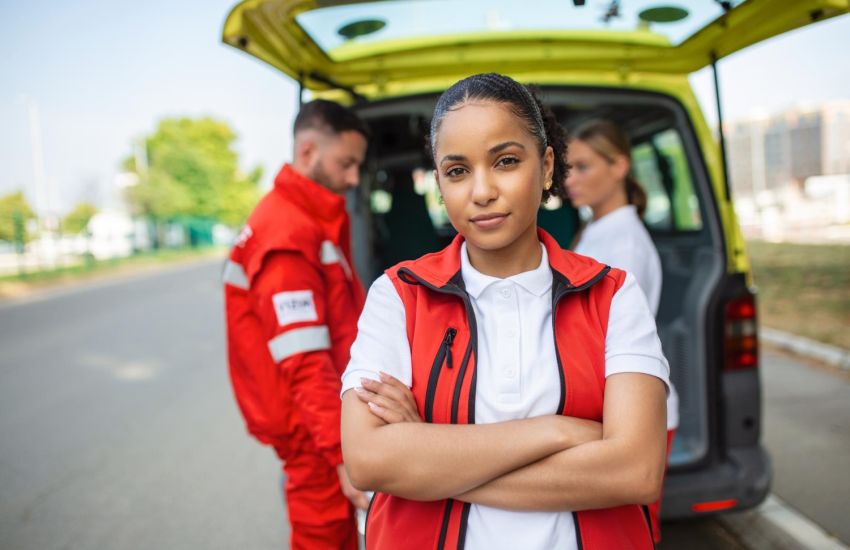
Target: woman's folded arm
{"points": [[422, 461], [625, 467]]}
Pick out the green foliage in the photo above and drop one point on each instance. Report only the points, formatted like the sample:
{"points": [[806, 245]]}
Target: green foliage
{"points": [[78, 218], [15, 210], [160, 196], [193, 170]]}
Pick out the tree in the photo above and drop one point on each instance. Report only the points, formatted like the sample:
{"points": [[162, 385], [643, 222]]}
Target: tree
{"points": [[77, 219], [193, 171], [15, 215]]}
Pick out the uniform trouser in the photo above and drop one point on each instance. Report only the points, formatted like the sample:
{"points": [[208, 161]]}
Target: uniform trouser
{"points": [[655, 507], [320, 516]]}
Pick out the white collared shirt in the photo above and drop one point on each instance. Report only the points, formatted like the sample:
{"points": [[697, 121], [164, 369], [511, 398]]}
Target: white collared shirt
{"points": [[620, 239], [517, 371]]}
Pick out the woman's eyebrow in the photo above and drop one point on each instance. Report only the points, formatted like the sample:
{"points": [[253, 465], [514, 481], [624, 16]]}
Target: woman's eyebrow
{"points": [[452, 158], [502, 146], [492, 151]]}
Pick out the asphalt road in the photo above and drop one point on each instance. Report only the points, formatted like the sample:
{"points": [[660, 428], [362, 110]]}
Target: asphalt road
{"points": [[807, 431], [117, 426], [118, 429]]}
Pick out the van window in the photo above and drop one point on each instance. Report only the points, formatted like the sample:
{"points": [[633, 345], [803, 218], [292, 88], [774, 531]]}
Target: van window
{"points": [[659, 163]]}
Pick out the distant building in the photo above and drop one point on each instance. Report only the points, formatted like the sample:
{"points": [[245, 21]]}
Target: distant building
{"points": [[790, 174], [836, 138], [773, 153]]}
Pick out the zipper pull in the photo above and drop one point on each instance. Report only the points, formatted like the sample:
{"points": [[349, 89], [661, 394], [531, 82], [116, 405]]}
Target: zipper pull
{"points": [[447, 342]]}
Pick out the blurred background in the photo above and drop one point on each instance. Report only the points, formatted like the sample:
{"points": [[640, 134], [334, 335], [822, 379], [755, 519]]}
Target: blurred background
{"points": [[134, 144]]}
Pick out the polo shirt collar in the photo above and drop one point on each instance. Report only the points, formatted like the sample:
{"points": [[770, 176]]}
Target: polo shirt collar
{"points": [[538, 281]]}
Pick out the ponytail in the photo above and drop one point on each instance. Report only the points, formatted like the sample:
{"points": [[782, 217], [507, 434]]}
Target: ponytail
{"points": [[635, 195], [556, 138]]}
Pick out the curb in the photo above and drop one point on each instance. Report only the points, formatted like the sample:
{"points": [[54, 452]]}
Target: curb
{"points": [[832, 355], [775, 525]]}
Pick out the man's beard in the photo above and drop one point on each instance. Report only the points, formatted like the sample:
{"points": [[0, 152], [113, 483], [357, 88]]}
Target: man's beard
{"points": [[318, 174]]}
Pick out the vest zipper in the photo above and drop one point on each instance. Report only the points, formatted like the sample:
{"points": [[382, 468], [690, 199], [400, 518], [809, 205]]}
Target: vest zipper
{"points": [[455, 289], [564, 288], [447, 344], [579, 543], [366, 522], [444, 355], [646, 515]]}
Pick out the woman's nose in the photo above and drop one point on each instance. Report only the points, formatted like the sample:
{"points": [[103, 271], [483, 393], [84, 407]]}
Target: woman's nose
{"points": [[484, 189]]}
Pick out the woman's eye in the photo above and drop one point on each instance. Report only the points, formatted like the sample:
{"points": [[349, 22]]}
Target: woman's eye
{"points": [[454, 172], [507, 161]]}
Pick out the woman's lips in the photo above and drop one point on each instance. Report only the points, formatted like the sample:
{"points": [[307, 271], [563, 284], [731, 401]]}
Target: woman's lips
{"points": [[489, 221]]}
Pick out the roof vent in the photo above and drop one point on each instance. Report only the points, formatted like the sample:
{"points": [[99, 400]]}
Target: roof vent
{"points": [[663, 14], [363, 27]]}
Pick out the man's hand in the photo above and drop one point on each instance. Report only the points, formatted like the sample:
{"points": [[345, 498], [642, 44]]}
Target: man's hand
{"points": [[357, 498], [389, 399]]}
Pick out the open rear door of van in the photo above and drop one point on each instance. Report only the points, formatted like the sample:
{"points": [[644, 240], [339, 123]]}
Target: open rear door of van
{"points": [[360, 46]]}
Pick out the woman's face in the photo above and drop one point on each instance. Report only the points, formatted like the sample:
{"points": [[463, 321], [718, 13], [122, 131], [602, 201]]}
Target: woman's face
{"points": [[594, 181], [490, 173]]}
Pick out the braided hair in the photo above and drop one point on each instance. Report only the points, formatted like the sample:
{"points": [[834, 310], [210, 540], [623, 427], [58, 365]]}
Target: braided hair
{"points": [[522, 102]]}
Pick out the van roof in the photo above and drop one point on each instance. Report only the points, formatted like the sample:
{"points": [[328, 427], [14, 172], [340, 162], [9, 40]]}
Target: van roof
{"points": [[352, 44]]}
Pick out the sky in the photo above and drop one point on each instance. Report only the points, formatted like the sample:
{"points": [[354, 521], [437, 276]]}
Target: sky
{"points": [[102, 74]]}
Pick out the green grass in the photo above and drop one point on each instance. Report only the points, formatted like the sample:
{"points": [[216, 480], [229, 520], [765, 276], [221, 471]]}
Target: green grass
{"points": [[804, 289], [14, 285]]}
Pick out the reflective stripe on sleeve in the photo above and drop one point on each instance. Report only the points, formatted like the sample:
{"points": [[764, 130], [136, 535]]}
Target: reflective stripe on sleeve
{"points": [[331, 254], [234, 275], [299, 340]]}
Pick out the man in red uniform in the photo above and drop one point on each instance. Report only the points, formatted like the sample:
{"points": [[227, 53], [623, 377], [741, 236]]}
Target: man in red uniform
{"points": [[292, 301]]}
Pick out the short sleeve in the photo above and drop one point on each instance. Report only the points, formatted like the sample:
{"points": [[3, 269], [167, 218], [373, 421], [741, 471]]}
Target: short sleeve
{"points": [[381, 343], [632, 343]]}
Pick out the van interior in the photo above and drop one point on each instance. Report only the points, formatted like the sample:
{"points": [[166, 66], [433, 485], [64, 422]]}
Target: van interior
{"points": [[397, 211]]}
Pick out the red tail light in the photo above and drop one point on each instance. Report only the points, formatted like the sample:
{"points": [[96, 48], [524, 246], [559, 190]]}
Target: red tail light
{"points": [[715, 505], [741, 334]]}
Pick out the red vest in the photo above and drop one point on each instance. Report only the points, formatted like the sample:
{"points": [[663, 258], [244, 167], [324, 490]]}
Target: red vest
{"points": [[440, 317], [297, 215]]}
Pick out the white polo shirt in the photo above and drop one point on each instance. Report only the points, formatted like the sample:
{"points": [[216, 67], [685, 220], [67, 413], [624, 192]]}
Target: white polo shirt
{"points": [[517, 372], [620, 239]]}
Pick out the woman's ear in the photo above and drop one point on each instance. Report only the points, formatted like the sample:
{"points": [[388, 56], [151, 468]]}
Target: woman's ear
{"points": [[548, 164], [621, 165]]}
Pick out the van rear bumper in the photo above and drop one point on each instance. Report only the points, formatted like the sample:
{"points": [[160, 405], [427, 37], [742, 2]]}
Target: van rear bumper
{"points": [[744, 475]]}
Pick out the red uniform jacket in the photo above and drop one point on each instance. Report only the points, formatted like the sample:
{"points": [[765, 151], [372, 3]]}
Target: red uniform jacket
{"points": [[292, 301], [442, 333]]}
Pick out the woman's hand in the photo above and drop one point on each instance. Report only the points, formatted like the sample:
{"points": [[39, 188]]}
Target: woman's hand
{"points": [[389, 399]]}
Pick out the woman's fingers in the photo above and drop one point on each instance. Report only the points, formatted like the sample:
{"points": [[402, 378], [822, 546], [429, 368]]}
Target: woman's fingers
{"points": [[393, 395], [383, 388], [396, 383], [391, 411], [387, 415], [394, 388]]}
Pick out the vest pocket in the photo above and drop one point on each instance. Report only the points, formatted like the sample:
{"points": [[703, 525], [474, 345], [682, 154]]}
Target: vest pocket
{"points": [[444, 355]]}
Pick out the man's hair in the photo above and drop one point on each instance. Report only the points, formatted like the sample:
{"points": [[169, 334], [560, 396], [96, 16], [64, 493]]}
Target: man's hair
{"points": [[330, 117]]}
